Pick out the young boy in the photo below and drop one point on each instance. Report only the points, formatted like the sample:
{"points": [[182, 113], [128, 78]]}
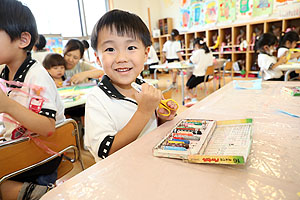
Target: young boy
{"points": [[266, 61], [18, 33], [55, 64], [116, 114]]}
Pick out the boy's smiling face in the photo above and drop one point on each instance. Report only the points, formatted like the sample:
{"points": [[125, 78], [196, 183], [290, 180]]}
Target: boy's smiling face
{"points": [[122, 57]]}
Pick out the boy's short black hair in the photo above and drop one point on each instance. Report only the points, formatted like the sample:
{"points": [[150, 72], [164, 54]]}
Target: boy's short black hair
{"points": [[16, 18], [53, 59], [174, 33], [268, 39], [290, 36], [85, 43], [74, 44], [40, 43], [124, 23]]}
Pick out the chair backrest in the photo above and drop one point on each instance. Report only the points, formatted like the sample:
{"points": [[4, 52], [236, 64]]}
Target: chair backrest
{"points": [[228, 66], [20, 155], [210, 70]]}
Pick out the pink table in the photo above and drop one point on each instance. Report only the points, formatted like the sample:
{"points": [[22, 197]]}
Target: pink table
{"points": [[271, 172]]}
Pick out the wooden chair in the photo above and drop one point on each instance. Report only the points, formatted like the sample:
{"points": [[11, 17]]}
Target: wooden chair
{"points": [[227, 70], [210, 75], [20, 155]]}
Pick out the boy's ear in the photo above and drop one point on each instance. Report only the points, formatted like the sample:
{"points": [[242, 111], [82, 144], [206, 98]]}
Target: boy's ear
{"points": [[97, 59], [146, 53], [24, 40]]}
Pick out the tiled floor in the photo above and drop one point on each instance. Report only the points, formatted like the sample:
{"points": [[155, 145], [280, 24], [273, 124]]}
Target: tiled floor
{"points": [[164, 83]]}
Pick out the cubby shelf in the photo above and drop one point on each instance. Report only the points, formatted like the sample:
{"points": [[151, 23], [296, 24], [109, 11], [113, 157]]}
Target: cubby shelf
{"points": [[230, 38]]}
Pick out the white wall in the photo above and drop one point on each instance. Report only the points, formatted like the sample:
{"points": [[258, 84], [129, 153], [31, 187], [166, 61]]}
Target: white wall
{"points": [[158, 9]]}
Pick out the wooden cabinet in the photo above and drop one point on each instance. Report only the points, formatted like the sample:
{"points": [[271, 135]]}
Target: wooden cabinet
{"points": [[165, 25], [225, 41]]}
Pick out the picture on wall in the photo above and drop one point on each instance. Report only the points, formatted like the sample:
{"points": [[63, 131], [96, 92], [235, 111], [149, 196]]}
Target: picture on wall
{"points": [[211, 12], [244, 9], [226, 10], [262, 7]]}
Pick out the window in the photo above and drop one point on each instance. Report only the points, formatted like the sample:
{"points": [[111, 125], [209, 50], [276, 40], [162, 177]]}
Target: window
{"points": [[93, 11], [56, 16], [62, 16]]}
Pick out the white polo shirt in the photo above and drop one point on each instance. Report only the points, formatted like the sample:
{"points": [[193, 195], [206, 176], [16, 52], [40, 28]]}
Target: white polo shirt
{"points": [[265, 62], [172, 48], [106, 113], [152, 56], [201, 60], [33, 73], [281, 52]]}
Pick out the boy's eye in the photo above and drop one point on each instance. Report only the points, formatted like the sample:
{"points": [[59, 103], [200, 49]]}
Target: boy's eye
{"points": [[109, 49], [132, 48]]}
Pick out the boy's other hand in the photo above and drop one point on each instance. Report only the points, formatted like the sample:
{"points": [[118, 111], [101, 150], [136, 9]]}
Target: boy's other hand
{"points": [[148, 99], [282, 60], [171, 105]]}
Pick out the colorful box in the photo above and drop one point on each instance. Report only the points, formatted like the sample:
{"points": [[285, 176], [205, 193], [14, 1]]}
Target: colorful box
{"points": [[208, 141]]}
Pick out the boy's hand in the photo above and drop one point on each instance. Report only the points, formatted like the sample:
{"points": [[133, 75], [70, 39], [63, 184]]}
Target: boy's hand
{"points": [[78, 78], [148, 99], [173, 111], [282, 60]]}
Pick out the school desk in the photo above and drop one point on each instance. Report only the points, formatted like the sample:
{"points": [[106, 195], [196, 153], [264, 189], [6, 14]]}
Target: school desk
{"points": [[272, 170], [75, 95], [288, 68]]}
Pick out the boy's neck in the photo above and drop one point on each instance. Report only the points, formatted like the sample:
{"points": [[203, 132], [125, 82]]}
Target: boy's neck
{"points": [[125, 90], [15, 64]]}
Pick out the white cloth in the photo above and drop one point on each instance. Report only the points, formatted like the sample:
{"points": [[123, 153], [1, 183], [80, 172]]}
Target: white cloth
{"points": [[265, 62], [81, 66], [106, 116], [172, 48], [152, 56], [39, 56], [37, 75], [281, 52], [201, 60]]}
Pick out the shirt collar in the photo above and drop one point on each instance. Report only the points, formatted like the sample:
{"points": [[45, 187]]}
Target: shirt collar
{"points": [[110, 90], [21, 72]]}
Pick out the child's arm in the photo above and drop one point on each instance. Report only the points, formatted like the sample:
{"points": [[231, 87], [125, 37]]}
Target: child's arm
{"points": [[280, 61], [80, 77], [148, 100], [164, 57], [180, 56], [295, 55], [29, 119]]}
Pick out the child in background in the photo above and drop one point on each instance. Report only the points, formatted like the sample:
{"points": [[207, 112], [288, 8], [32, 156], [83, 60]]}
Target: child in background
{"points": [[266, 61], [78, 71], [116, 114], [18, 33], [86, 47], [289, 41], [38, 51], [172, 52], [55, 65], [201, 58], [152, 60]]}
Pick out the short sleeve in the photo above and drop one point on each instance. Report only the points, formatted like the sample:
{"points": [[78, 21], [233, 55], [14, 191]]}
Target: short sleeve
{"points": [[195, 56], [165, 47], [265, 61], [99, 127], [177, 47], [85, 66], [40, 77], [281, 52]]}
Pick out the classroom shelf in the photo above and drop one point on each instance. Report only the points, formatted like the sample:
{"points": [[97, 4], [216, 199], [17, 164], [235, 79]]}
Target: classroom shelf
{"points": [[230, 38]]}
